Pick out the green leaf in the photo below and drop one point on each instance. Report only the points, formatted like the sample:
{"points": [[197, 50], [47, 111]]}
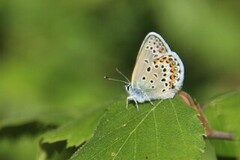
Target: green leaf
{"points": [[209, 153], [77, 131], [223, 115], [71, 134], [156, 132]]}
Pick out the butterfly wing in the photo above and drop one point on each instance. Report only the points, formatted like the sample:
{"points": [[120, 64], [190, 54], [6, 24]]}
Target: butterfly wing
{"points": [[152, 47], [158, 72]]}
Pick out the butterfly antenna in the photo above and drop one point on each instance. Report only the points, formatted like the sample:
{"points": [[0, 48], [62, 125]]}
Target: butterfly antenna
{"points": [[116, 80], [123, 75]]}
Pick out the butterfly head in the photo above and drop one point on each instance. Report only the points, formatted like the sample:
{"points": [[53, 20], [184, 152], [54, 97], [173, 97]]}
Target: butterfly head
{"points": [[128, 88]]}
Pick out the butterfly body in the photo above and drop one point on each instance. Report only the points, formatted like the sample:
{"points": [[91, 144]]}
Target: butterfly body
{"points": [[158, 73], [136, 94]]}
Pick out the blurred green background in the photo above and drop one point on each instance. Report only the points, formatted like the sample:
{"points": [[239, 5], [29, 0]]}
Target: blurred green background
{"points": [[54, 54]]}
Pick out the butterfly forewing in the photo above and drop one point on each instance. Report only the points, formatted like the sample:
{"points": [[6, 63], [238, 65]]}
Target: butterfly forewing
{"points": [[152, 47], [158, 72], [154, 44]]}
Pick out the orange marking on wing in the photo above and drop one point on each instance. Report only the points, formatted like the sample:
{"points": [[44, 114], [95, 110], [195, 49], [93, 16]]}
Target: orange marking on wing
{"points": [[173, 70], [173, 79], [156, 61], [171, 84], [163, 59]]}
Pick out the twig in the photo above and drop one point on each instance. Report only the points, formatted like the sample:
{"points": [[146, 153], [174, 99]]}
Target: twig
{"points": [[210, 133]]}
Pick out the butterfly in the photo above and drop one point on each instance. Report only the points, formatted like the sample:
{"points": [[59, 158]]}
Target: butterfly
{"points": [[158, 72]]}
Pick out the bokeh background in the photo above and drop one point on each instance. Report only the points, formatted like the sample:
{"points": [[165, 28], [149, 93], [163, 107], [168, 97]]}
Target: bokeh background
{"points": [[54, 54]]}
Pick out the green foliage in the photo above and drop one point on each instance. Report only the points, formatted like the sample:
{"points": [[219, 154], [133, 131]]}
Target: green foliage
{"points": [[152, 133], [76, 131], [223, 114], [209, 153]]}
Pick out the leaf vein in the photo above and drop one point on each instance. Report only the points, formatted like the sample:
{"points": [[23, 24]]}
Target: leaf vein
{"points": [[135, 146], [120, 126], [179, 125], [135, 130], [156, 131]]}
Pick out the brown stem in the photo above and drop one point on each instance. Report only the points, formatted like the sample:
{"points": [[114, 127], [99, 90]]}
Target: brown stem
{"points": [[210, 133], [220, 135]]}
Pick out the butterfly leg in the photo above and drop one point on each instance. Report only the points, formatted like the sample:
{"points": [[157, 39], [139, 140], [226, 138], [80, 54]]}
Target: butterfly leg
{"points": [[132, 99], [136, 104], [149, 100]]}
